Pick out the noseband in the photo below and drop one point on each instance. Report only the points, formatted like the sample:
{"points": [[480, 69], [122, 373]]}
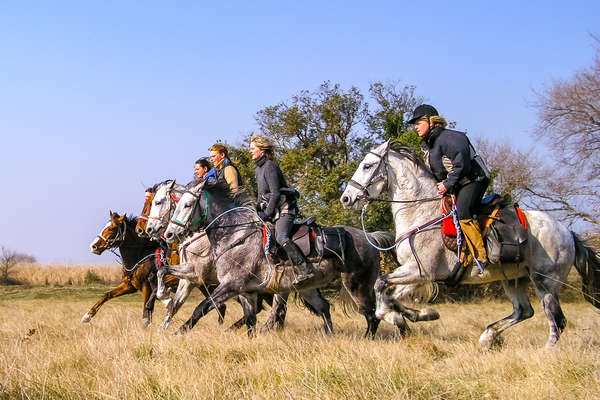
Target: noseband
{"points": [[380, 174]]}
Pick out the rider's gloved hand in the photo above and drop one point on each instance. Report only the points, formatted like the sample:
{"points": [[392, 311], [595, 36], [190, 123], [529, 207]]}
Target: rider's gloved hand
{"points": [[262, 215]]}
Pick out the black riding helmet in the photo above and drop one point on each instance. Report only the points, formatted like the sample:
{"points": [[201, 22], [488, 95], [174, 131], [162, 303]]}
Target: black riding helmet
{"points": [[424, 110]]}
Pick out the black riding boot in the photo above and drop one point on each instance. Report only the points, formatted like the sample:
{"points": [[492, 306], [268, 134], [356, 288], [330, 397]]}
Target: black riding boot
{"points": [[303, 270]]}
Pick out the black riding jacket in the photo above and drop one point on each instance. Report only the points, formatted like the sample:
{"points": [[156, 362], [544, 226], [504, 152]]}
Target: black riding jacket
{"points": [[449, 157], [270, 181]]}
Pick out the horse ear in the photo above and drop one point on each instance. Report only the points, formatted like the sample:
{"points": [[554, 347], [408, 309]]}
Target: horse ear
{"points": [[110, 213], [172, 184]]}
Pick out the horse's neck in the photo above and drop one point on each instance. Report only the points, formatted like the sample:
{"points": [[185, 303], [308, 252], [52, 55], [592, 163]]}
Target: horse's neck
{"points": [[411, 186], [134, 248]]}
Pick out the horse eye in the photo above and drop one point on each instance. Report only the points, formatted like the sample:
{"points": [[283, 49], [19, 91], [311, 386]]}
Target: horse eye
{"points": [[367, 166]]}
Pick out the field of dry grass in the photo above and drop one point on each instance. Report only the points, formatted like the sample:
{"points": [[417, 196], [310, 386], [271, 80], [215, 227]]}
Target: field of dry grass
{"points": [[48, 354], [63, 275]]}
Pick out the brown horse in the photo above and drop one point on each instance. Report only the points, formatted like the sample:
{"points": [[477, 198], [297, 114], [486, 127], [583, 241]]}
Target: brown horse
{"points": [[138, 266]]}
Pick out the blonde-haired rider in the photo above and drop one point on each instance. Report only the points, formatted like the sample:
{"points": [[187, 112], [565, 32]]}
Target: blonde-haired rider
{"points": [[449, 155]]}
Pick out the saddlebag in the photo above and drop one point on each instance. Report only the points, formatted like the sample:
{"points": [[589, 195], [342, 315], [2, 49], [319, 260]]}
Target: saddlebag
{"points": [[330, 242], [506, 240]]}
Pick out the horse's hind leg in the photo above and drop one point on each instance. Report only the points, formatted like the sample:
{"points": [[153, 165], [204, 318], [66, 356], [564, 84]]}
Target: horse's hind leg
{"points": [[149, 295], [516, 290], [278, 312], [221, 309], [248, 302], [320, 306], [546, 289], [221, 294], [183, 291]]}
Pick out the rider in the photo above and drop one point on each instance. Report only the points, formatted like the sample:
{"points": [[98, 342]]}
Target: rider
{"points": [[225, 172], [277, 202], [202, 171], [449, 154]]}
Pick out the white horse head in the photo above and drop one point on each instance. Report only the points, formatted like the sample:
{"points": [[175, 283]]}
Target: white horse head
{"points": [[162, 208], [186, 214], [401, 172]]}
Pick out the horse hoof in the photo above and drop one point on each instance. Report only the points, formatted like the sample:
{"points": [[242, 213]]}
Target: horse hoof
{"points": [[86, 318], [146, 322], [428, 314], [165, 325], [486, 340]]}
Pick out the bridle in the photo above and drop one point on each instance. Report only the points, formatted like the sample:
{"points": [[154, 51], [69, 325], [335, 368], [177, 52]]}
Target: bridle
{"points": [[163, 218], [380, 174], [187, 226], [117, 239]]}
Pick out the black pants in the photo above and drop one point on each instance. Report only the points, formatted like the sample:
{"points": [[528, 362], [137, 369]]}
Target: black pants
{"points": [[283, 227], [469, 197]]}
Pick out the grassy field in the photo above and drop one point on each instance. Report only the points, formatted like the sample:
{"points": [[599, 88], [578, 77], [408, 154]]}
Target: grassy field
{"points": [[48, 354]]}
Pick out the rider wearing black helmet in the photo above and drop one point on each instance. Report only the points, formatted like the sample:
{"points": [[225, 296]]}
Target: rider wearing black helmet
{"points": [[450, 156]]}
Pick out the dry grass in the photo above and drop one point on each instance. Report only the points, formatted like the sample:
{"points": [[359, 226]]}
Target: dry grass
{"points": [[63, 275], [47, 353]]}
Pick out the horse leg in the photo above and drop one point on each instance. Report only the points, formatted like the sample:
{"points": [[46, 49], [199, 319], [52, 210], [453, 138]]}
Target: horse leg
{"points": [[278, 312], [221, 294], [220, 310], [149, 295], [516, 290], [183, 291], [362, 293], [123, 288], [546, 289], [168, 278], [316, 303], [248, 302], [386, 296]]}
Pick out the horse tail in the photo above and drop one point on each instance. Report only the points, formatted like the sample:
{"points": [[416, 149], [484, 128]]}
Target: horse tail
{"points": [[587, 264]]}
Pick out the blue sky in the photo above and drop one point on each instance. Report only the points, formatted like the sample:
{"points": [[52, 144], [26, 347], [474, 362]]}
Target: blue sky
{"points": [[100, 99]]}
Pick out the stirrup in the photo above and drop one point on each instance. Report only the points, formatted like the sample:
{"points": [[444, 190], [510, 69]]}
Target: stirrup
{"points": [[480, 265], [302, 274]]}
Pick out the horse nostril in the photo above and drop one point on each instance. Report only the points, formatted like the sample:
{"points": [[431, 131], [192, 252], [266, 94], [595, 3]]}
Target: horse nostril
{"points": [[344, 199]]}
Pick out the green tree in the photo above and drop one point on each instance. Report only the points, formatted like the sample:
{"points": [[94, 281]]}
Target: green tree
{"points": [[322, 135], [317, 135]]}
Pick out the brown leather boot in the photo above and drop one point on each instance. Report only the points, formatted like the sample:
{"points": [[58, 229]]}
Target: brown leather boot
{"points": [[472, 234]]}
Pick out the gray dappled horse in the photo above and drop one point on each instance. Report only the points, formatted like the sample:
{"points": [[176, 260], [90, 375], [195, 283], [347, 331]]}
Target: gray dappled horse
{"points": [[196, 267], [236, 239], [551, 248]]}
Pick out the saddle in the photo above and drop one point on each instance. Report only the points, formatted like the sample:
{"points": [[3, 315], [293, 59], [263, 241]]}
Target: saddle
{"points": [[314, 241], [503, 226]]}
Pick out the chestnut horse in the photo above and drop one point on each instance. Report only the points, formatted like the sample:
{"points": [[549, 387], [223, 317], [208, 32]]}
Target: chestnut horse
{"points": [[138, 267]]}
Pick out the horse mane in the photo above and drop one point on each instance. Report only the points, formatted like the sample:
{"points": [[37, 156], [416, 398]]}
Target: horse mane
{"points": [[155, 187], [407, 152]]}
